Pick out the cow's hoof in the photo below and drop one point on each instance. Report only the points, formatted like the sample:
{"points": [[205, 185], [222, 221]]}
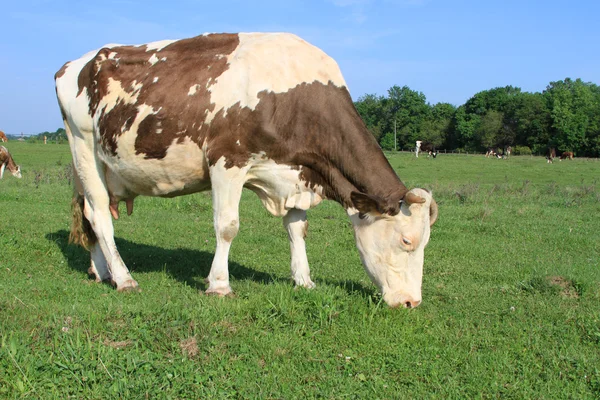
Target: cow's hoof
{"points": [[221, 292], [129, 286], [307, 284]]}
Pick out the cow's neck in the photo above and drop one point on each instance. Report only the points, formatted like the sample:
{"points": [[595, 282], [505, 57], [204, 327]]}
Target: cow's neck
{"points": [[355, 164], [12, 166]]}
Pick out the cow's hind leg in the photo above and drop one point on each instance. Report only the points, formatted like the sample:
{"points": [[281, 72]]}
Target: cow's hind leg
{"points": [[296, 226], [227, 185], [95, 209]]}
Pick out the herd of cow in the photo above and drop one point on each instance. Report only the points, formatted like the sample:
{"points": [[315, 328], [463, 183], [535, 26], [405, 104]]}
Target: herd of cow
{"points": [[223, 112]]}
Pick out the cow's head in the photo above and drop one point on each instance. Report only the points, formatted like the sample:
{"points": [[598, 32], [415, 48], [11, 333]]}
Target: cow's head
{"points": [[392, 247], [17, 172]]}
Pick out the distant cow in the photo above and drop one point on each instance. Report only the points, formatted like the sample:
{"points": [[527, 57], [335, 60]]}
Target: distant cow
{"points": [[507, 151], [6, 161], [551, 155], [3, 137], [490, 152], [425, 146], [220, 112], [566, 155]]}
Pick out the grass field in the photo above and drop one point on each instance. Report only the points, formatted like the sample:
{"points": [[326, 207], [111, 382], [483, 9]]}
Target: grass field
{"points": [[511, 294]]}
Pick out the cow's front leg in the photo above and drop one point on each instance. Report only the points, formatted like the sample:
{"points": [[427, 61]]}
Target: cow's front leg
{"points": [[296, 226], [227, 186]]}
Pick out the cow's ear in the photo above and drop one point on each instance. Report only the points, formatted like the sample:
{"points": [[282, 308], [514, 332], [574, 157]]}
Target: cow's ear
{"points": [[367, 204]]}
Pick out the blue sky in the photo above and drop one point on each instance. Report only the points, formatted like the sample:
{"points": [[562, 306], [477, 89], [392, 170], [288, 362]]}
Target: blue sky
{"points": [[447, 49]]}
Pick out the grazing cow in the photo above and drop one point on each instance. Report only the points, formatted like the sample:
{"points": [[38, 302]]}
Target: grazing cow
{"points": [[3, 137], [566, 155], [490, 153], [425, 146], [268, 112], [550, 155], [6, 160]]}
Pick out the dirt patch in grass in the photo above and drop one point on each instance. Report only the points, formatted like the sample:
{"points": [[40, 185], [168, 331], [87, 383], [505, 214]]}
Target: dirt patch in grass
{"points": [[556, 285], [189, 347], [117, 345], [566, 287]]}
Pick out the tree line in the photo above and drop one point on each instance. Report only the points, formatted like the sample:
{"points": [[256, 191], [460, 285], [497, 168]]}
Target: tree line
{"points": [[565, 116]]}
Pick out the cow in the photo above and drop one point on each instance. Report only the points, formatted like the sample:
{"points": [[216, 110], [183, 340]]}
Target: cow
{"points": [[220, 112], [566, 155], [550, 155], [6, 161], [490, 153], [425, 146], [507, 151], [3, 137]]}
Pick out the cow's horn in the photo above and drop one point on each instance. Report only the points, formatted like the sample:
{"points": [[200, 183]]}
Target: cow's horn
{"points": [[433, 212], [412, 198]]}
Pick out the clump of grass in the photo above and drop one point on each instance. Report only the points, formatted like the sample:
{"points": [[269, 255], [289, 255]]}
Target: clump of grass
{"points": [[553, 285], [466, 193]]}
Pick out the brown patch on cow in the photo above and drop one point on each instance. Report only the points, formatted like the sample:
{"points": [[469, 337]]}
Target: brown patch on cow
{"points": [[117, 345], [189, 347], [188, 62], [567, 289], [61, 71]]}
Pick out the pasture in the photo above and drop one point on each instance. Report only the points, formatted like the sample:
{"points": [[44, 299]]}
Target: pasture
{"points": [[511, 294]]}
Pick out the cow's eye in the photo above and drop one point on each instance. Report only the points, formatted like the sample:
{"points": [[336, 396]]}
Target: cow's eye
{"points": [[406, 241]]}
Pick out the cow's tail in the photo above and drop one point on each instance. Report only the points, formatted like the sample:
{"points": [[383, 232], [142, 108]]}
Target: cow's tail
{"points": [[81, 229]]}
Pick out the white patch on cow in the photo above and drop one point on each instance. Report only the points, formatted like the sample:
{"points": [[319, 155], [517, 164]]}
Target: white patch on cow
{"points": [[273, 63], [112, 55], [163, 59], [153, 60], [193, 89], [155, 79], [158, 46], [279, 186], [237, 142]]}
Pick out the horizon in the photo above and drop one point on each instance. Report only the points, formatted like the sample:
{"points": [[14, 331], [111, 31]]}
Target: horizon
{"points": [[449, 51]]}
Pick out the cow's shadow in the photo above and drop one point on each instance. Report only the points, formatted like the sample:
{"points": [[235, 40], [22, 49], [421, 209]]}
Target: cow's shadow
{"points": [[184, 265]]}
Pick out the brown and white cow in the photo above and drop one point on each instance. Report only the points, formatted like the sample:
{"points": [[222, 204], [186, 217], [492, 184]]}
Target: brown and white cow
{"points": [[6, 161], [566, 155], [268, 112], [3, 137]]}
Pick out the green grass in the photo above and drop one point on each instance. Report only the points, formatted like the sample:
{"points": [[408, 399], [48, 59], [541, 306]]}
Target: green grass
{"points": [[511, 294]]}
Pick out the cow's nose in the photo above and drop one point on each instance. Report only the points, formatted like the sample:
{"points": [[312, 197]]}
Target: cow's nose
{"points": [[412, 303]]}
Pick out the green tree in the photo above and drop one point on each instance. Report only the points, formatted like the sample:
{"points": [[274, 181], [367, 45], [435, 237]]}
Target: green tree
{"points": [[407, 109], [372, 111], [489, 129], [570, 103]]}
